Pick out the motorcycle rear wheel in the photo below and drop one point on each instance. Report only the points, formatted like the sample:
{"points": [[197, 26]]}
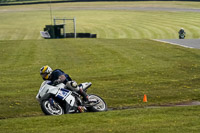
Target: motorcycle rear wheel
{"points": [[50, 109], [101, 106]]}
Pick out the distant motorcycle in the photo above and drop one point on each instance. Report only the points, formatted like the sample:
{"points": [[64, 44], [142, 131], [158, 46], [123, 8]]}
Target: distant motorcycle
{"points": [[56, 100], [181, 33], [181, 36]]}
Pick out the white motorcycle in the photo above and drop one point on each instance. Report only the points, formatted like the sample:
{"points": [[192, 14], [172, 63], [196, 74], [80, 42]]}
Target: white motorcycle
{"points": [[56, 100]]}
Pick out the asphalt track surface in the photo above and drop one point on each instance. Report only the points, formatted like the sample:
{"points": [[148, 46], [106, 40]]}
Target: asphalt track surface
{"points": [[137, 9], [102, 7], [188, 43]]}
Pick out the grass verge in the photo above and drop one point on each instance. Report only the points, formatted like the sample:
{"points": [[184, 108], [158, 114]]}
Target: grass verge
{"points": [[151, 120]]}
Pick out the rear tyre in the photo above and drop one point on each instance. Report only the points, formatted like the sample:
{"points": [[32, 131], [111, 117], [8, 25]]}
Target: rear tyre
{"points": [[99, 104], [51, 109]]}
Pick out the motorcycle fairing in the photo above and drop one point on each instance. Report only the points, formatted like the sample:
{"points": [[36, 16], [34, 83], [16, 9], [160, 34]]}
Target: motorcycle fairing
{"points": [[63, 93]]}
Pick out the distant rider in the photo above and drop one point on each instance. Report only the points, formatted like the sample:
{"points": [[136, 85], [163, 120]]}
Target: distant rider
{"points": [[181, 32], [58, 76]]}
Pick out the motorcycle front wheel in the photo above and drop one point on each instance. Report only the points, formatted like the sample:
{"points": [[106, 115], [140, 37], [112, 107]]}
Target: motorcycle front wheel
{"points": [[51, 107]]}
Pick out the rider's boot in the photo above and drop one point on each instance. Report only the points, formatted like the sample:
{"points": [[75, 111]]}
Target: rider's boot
{"points": [[81, 109]]}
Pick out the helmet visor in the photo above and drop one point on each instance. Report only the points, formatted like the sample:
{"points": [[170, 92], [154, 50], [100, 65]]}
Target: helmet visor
{"points": [[44, 76]]}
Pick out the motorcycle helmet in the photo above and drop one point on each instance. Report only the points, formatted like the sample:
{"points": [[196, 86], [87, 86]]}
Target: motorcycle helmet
{"points": [[45, 72]]}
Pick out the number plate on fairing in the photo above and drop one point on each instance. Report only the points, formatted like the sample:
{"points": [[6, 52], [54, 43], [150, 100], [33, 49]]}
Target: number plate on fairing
{"points": [[63, 93]]}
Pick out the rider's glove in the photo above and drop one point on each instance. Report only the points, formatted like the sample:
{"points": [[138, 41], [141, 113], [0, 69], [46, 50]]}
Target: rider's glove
{"points": [[58, 81]]}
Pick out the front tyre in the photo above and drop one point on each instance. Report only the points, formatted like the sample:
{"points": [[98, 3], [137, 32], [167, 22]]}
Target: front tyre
{"points": [[50, 108], [98, 104]]}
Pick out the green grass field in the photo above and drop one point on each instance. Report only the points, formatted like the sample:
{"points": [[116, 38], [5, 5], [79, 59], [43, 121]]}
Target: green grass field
{"points": [[176, 119], [25, 22], [123, 64]]}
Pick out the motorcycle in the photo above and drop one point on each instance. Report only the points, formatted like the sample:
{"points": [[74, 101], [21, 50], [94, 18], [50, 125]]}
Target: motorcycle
{"points": [[181, 36], [56, 100]]}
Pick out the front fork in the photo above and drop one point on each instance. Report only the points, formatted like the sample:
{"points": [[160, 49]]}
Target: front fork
{"points": [[52, 102]]}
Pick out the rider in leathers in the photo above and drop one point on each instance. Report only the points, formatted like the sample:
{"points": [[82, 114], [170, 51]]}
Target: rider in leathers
{"points": [[58, 76]]}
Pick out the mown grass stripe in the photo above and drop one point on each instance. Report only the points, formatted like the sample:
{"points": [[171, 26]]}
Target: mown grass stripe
{"points": [[109, 26]]}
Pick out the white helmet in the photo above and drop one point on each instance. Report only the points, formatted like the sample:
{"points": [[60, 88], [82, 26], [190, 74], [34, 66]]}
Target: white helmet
{"points": [[46, 71]]}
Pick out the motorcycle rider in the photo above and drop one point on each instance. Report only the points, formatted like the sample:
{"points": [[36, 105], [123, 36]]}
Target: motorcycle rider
{"points": [[58, 76], [181, 32]]}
